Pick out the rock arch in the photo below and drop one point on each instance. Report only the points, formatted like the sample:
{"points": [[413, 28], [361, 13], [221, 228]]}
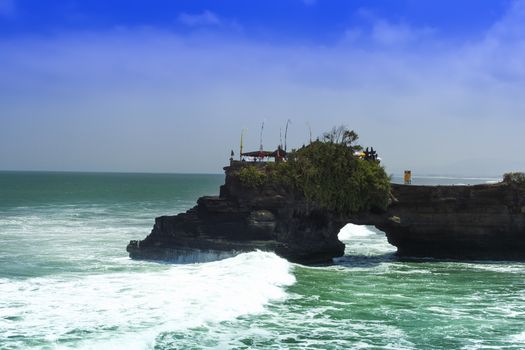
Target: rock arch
{"points": [[464, 222]]}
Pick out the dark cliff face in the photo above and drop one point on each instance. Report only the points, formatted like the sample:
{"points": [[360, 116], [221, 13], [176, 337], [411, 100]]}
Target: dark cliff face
{"points": [[465, 222], [471, 222], [244, 219]]}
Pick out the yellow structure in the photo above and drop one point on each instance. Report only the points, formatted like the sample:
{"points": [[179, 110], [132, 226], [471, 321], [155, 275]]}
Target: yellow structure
{"points": [[408, 177]]}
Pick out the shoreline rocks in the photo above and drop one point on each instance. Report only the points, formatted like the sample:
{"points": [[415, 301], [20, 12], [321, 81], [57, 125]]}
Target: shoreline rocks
{"points": [[460, 222]]}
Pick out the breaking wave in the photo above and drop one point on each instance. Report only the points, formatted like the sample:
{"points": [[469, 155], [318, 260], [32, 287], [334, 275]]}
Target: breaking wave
{"points": [[77, 312]]}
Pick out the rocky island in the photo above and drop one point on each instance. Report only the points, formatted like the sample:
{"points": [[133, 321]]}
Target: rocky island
{"points": [[256, 209]]}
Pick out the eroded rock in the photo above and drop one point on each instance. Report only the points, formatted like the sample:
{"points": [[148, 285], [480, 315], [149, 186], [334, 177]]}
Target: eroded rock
{"points": [[464, 222]]}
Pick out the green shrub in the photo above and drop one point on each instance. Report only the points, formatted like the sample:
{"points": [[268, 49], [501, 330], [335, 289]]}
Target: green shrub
{"points": [[251, 176], [514, 178], [327, 173]]}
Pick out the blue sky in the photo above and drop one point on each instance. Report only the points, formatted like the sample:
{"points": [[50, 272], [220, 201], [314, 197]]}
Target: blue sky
{"points": [[167, 86], [312, 21]]}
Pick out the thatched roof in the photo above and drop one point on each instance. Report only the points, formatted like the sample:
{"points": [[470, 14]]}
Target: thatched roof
{"points": [[278, 152]]}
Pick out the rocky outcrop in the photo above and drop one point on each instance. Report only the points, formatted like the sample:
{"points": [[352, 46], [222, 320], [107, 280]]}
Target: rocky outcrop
{"points": [[474, 222], [463, 222], [244, 219]]}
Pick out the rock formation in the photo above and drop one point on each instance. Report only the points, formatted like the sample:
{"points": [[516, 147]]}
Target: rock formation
{"points": [[472, 222], [462, 222]]}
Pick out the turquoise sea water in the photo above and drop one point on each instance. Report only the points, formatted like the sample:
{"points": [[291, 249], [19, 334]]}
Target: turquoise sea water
{"points": [[66, 281]]}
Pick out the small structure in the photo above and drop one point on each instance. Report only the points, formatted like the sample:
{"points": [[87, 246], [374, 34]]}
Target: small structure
{"points": [[279, 155], [368, 154], [408, 177]]}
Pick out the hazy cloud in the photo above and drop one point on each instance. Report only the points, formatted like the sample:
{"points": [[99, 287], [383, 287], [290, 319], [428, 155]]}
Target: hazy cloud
{"points": [[379, 31], [206, 18], [511, 26], [141, 99], [386, 33]]}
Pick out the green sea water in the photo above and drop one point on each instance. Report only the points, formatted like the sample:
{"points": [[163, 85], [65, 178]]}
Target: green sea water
{"points": [[66, 281]]}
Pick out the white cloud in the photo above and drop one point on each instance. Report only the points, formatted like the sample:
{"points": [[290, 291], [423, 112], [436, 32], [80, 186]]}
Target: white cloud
{"points": [[502, 51], [206, 18], [511, 26], [352, 35], [389, 34], [381, 32], [141, 97]]}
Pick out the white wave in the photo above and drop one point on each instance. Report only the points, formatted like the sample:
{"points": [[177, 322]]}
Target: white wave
{"points": [[492, 181], [193, 256], [499, 267], [452, 177], [518, 338], [362, 241], [350, 230], [79, 311]]}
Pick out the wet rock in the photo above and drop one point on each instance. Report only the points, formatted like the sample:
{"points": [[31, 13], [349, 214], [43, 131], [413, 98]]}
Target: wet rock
{"points": [[463, 222], [460, 222]]}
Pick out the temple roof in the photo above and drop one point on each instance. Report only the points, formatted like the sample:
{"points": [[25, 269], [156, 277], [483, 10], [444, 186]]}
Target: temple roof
{"points": [[278, 151]]}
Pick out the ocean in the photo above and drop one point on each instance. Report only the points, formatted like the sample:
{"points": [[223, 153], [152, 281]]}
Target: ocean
{"points": [[66, 281]]}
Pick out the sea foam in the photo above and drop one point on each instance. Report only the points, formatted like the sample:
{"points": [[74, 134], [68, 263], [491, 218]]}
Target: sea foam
{"points": [[350, 231], [70, 311]]}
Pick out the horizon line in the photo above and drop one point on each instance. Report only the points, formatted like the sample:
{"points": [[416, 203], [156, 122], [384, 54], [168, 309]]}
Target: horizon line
{"points": [[107, 172], [427, 175]]}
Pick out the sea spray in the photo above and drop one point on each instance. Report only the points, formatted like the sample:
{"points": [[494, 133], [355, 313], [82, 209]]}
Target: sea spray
{"points": [[67, 282], [75, 311], [350, 231], [364, 241]]}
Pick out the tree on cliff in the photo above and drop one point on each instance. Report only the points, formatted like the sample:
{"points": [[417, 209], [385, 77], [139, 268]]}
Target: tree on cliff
{"points": [[329, 174], [342, 135], [515, 179]]}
